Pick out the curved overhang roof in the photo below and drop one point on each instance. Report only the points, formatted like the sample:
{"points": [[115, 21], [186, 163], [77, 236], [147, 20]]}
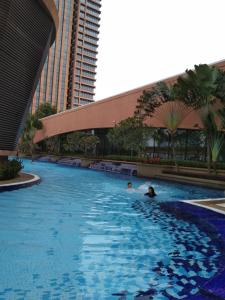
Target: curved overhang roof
{"points": [[103, 114], [108, 112], [51, 9]]}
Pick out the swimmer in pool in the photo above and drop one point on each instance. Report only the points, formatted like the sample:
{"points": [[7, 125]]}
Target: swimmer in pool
{"points": [[151, 192], [129, 185]]}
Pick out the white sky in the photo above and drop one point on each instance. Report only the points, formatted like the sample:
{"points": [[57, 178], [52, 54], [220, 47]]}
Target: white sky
{"points": [[142, 41]]}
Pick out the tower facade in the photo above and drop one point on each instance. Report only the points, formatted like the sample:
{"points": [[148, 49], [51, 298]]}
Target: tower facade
{"points": [[68, 76], [27, 30]]}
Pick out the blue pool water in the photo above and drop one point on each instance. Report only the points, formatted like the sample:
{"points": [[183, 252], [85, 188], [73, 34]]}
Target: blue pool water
{"points": [[81, 235]]}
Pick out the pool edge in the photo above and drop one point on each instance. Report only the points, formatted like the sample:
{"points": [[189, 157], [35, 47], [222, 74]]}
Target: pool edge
{"points": [[22, 184]]}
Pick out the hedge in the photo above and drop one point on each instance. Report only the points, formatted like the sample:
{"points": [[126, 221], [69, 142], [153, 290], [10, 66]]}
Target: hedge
{"points": [[9, 169]]}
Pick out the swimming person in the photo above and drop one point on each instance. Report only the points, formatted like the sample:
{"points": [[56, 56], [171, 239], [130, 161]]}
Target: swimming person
{"points": [[151, 192], [129, 185], [130, 188]]}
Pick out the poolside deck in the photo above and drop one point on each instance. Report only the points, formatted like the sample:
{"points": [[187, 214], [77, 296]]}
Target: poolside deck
{"points": [[217, 205], [192, 180]]}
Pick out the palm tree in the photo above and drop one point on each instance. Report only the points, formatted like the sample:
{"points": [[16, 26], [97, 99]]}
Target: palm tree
{"points": [[161, 102], [216, 146], [27, 139], [171, 115], [217, 122], [153, 98], [201, 88], [32, 124]]}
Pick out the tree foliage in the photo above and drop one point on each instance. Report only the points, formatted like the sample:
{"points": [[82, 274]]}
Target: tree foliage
{"points": [[130, 134], [10, 169], [214, 133], [45, 110], [204, 88], [81, 142], [198, 87], [153, 98], [26, 143], [33, 123], [88, 144], [53, 144], [72, 141], [171, 115]]}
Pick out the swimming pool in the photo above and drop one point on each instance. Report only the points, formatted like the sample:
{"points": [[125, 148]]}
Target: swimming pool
{"points": [[81, 235]]}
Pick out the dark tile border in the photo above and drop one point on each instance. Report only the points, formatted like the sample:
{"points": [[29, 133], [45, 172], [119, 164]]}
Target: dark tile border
{"points": [[214, 224]]}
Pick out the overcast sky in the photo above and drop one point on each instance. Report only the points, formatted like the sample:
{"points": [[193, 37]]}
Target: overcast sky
{"points": [[142, 41]]}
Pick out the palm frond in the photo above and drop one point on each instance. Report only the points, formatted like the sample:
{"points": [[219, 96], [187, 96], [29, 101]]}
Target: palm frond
{"points": [[172, 114], [198, 87], [216, 146]]}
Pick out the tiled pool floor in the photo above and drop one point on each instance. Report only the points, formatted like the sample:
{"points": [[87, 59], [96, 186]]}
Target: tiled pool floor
{"points": [[213, 222], [81, 235]]}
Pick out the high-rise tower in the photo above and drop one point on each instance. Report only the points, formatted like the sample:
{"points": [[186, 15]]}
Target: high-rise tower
{"points": [[68, 76], [83, 58]]}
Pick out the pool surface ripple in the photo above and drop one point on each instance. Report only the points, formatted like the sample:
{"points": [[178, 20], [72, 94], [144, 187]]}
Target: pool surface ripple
{"points": [[81, 235]]}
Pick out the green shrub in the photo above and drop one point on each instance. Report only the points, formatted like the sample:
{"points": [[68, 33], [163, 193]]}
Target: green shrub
{"points": [[122, 158], [10, 169]]}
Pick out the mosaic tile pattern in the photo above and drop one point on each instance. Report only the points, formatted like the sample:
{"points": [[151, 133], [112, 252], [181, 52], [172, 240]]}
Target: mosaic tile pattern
{"points": [[192, 263], [84, 237], [214, 224]]}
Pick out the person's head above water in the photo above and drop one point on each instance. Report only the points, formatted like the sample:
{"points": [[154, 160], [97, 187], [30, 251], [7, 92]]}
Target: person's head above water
{"points": [[151, 191], [129, 185]]}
